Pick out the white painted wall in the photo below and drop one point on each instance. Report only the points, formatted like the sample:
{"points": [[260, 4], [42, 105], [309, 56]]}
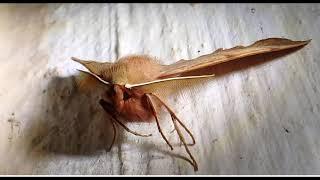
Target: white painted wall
{"points": [[264, 119]]}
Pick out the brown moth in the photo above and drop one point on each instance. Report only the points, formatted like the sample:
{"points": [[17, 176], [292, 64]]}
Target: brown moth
{"points": [[137, 86]]}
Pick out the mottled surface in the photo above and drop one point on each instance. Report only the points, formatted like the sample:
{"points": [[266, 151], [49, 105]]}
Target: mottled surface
{"points": [[262, 119]]}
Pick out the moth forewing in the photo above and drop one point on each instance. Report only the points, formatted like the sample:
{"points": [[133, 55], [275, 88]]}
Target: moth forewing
{"points": [[85, 82], [164, 88], [167, 79], [220, 56], [95, 76], [94, 67]]}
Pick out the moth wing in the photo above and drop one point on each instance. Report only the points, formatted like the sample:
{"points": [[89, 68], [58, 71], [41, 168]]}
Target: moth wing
{"points": [[170, 86], [86, 82], [93, 66], [220, 55]]}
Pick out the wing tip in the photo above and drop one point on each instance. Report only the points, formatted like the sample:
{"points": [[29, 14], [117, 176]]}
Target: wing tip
{"points": [[303, 43], [307, 41], [76, 60]]}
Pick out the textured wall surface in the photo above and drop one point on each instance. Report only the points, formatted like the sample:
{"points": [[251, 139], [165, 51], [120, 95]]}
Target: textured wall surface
{"points": [[260, 119]]}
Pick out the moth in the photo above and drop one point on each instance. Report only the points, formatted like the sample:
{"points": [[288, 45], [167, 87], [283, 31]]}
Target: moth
{"points": [[136, 86]]}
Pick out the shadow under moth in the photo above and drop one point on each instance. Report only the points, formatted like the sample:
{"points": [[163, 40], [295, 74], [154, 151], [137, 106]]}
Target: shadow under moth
{"points": [[136, 86]]}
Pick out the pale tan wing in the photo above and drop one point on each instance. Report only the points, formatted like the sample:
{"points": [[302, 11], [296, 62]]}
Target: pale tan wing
{"points": [[95, 76], [93, 66], [86, 81], [220, 56], [174, 85]]}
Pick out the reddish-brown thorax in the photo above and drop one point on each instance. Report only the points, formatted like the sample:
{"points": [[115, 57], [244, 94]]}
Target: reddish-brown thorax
{"points": [[131, 104]]}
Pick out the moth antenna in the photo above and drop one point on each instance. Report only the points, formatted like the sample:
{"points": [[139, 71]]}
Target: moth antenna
{"points": [[168, 79]]}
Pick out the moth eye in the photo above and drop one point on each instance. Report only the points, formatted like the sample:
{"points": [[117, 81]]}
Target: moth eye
{"points": [[125, 95], [110, 92]]}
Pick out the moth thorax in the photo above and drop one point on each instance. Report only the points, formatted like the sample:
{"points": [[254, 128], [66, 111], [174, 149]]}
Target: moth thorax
{"points": [[120, 78]]}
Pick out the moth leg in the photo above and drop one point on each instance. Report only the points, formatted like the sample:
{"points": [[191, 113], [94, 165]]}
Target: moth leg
{"points": [[194, 164], [114, 135], [130, 131], [174, 119], [109, 109], [154, 113], [181, 123]]}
